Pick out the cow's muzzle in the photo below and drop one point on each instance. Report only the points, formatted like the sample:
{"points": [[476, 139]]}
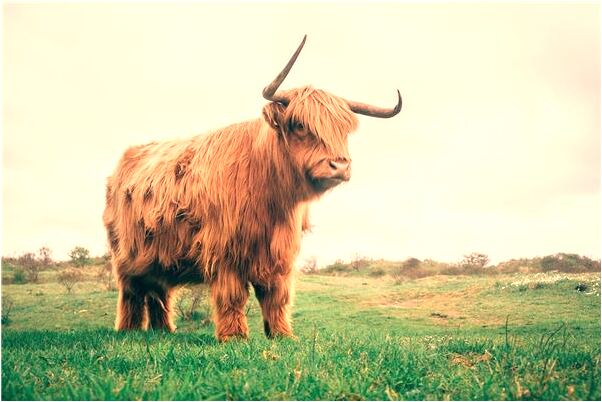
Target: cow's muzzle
{"points": [[340, 169]]}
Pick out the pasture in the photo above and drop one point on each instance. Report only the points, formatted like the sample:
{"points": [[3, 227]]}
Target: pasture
{"points": [[360, 336]]}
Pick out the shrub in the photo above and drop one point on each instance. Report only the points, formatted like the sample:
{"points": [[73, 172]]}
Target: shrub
{"points": [[571, 263], [377, 272], [80, 256], [474, 263], [411, 263], [193, 304], [45, 256], [358, 263], [8, 262], [337, 266], [7, 306], [418, 273], [410, 269], [104, 275], [19, 277], [31, 266], [68, 278], [310, 266]]}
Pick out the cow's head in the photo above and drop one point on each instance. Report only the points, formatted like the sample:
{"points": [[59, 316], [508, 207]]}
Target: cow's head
{"points": [[314, 126]]}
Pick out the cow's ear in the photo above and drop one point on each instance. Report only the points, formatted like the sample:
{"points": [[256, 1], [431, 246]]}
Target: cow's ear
{"points": [[273, 114]]}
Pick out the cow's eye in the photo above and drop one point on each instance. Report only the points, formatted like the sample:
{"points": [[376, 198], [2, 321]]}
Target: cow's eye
{"points": [[298, 129]]}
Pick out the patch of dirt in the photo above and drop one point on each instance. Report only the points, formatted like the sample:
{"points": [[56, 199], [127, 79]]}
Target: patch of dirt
{"points": [[445, 308]]}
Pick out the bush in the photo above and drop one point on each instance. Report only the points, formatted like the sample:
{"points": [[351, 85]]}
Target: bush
{"points": [[80, 256], [193, 304], [19, 277], [474, 263], [571, 263], [7, 306], [104, 275], [68, 278], [377, 272], [45, 256], [337, 266], [411, 269], [358, 262], [31, 266], [411, 263], [310, 266]]}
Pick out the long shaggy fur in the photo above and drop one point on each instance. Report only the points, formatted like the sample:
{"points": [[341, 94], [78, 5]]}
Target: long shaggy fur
{"points": [[226, 208]]}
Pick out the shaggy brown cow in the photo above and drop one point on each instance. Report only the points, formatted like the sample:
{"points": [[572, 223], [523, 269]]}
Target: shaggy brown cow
{"points": [[227, 208]]}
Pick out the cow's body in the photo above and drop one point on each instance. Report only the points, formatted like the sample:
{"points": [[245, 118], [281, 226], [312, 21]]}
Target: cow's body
{"points": [[227, 208]]}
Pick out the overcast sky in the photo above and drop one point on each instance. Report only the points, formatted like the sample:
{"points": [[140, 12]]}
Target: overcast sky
{"points": [[496, 149]]}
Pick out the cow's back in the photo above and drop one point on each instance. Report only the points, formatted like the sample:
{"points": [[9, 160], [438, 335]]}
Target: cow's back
{"points": [[162, 196]]}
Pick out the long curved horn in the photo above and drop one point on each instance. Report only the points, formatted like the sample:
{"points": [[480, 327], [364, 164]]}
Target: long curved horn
{"points": [[269, 92], [375, 111]]}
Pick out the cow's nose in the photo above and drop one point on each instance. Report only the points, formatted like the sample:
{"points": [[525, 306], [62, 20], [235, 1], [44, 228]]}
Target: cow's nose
{"points": [[341, 168]]}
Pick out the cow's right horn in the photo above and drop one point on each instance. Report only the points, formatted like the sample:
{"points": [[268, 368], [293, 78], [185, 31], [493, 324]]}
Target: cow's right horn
{"points": [[269, 92], [375, 111]]}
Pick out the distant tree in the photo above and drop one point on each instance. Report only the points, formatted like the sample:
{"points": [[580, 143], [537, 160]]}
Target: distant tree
{"points": [[337, 266], [569, 263], [310, 266], [475, 261], [31, 266], [26, 259], [68, 278], [358, 262], [410, 269], [45, 256], [411, 263], [80, 256]]}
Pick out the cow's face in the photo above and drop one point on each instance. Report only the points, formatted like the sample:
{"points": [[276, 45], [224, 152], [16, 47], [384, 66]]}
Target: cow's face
{"points": [[314, 127], [323, 168]]}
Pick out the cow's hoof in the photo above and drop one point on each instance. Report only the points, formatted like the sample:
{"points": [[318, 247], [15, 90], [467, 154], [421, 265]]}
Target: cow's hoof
{"points": [[233, 337]]}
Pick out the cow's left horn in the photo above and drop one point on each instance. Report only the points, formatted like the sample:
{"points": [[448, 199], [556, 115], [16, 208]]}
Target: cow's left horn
{"points": [[269, 92], [375, 111]]}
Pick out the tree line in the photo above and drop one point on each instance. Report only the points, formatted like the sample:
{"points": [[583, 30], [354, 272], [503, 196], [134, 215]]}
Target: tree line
{"points": [[475, 263]]}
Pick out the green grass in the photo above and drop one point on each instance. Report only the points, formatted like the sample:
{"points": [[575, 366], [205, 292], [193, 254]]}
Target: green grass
{"points": [[359, 337]]}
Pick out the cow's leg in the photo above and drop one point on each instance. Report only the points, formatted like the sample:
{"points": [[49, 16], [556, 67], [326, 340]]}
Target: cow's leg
{"points": [[131, 306], [275, 300], [160, 309], [229, 294]]}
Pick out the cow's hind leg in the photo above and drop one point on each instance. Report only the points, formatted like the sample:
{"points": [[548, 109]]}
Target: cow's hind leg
{"points": [[160, 309], [275, 301], [131, 306], [229, 294]]}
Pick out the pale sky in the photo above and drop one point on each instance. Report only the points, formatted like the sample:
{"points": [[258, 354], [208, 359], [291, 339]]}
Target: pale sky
{"points": [[496, 149]]}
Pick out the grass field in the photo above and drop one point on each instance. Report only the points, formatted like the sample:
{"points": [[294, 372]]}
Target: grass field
{"points": [[522, 336]]}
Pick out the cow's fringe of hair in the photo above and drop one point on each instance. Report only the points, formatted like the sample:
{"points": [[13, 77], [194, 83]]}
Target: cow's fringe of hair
{"points": [[325, 115], [230, 198]]}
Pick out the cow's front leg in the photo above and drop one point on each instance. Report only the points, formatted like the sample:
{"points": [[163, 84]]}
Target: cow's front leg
{"points": [[275, 300], [131, 305], [229, 294]]}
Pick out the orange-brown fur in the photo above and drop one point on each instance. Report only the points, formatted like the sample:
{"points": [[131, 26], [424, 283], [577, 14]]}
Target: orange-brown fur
{"points": [[226, 208]]}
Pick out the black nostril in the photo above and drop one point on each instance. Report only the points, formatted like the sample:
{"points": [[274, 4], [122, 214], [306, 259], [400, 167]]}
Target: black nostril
{"points": [[339, 165]]}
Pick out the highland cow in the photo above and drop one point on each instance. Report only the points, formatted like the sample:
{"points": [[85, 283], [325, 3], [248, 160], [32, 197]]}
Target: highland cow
{"points": [[227, 208]]}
